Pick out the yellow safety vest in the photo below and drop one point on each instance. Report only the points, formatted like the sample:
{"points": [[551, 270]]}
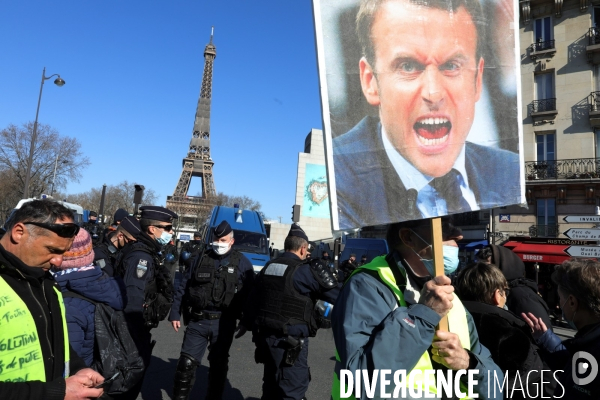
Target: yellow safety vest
{"points": [[21, 358], [457, 323]]}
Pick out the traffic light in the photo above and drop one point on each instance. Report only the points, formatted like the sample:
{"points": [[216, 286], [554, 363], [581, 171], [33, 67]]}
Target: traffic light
{"points": [[296, 213]]}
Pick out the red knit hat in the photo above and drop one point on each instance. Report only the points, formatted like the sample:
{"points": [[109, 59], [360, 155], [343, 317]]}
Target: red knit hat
{"points": [[81, 253]]}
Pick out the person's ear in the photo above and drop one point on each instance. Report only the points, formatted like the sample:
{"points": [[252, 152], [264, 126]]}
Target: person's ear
{"points": [[497, 297], [406, 237], [19, 233], [479, 79], [573, 302], [368, 82]]}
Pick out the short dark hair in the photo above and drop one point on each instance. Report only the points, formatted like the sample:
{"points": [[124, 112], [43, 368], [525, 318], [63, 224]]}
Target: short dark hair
{"points": [[581, 279], [478, 282], [294, 243], [45, 211], [145, 223], [485, 253], [368, 9]]}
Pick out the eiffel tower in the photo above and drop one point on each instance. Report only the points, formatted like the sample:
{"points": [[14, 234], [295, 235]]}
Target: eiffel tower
{"points": [[198, 162]]}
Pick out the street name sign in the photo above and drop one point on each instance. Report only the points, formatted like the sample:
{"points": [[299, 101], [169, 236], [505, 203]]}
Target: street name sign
{"points": [[583, 234], [583, 251], [571, 219]]}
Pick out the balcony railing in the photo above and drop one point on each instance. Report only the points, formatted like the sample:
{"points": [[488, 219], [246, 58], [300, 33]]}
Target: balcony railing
{"points": [[594, 101], [543, 231], [579, 168], [543, 105], [542, 46], [593, 36]]}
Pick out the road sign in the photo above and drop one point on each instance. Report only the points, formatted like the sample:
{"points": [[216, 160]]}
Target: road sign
{"points": [[583, 234], [583, 251], [570, 219]]}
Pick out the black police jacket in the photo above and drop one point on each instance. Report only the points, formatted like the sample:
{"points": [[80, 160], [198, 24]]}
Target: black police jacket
{"points": [[245, 279], [214, 286], [105, 255], [307, 281]]}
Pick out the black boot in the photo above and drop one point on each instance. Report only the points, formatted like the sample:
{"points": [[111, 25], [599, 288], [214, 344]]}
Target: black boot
{"points": [[185, 376]]}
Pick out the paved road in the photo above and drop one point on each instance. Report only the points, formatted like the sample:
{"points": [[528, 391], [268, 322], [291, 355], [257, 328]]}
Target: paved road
{"points": [[244, 377]]}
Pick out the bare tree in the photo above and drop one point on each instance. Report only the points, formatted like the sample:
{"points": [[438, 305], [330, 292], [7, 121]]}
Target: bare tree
{"points": [[117, 196], [50, 146], [244, 202]]}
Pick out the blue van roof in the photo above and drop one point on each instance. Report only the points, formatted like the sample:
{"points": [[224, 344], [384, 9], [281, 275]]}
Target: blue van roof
{"points": [[250, 220]]}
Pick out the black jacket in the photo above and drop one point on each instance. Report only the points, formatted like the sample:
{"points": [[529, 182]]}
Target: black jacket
{"points": [[523, 297], [36, 288], [509, 340]]}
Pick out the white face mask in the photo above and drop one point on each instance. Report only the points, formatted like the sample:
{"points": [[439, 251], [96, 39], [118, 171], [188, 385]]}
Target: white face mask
{"points": [[221, 248]]}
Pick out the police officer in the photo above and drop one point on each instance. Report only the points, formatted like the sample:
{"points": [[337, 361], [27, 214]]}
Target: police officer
{"points": [[281, 328], [93, 227], [105, 253], [189, 251], [363, 260], [149, 293], [211, 296]]}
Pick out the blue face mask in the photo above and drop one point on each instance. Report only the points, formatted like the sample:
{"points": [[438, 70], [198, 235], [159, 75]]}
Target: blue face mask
{"points": [[451, 261], [164, 238]]}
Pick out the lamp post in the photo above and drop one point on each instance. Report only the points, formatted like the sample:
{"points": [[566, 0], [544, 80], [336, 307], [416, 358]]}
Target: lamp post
{"points": [[58, 82], [54, 178]]}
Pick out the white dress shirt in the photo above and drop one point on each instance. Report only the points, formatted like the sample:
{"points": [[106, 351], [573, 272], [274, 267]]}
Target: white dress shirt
{"points": [[429, 203]]}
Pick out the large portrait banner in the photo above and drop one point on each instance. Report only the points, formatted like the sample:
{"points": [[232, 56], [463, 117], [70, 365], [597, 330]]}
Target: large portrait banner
{"points": [[421, 107]]}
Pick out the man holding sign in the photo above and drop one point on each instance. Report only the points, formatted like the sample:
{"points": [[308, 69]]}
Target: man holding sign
{"points": [[422, 68], [386, 315]]}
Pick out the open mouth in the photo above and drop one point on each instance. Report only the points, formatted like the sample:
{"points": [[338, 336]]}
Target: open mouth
{"points": [[432, 131]]}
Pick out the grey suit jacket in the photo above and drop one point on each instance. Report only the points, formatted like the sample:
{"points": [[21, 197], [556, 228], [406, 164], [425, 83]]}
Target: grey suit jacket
{"points": [[370, 192]]}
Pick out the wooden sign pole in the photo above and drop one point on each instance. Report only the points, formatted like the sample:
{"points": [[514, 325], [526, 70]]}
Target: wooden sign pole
{"points": [[438, 258]]}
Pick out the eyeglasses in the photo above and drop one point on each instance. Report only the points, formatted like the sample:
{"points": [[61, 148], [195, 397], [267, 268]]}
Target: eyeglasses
{"points": [[165, 227], [506, 291], [68, 230]]}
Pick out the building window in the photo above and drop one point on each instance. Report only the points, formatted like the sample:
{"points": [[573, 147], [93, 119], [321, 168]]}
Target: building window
{"points": [[544, 93], [597, 139], [546, 218], [596, 17], [543, 35], [546, 146]]}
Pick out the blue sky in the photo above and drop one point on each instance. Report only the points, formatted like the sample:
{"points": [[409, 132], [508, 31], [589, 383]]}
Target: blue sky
{"points": [[133, 71]]}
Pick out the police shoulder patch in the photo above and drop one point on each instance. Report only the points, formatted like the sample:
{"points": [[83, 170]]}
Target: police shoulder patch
{"points": [[142, 268]]}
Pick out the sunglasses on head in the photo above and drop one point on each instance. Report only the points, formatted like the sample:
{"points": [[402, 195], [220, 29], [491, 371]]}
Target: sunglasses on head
{"points": [[68, 230], [165, 227]]}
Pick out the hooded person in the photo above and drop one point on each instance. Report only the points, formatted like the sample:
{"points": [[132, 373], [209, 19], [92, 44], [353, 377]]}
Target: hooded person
{"points": [[523, 296], [80, 275]]}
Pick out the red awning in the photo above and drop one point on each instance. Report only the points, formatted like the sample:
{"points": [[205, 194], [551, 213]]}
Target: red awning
{"points": [[544, 253]]}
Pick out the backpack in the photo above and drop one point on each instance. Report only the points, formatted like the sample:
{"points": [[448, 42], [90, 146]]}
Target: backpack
{"points": [[114, 349]]}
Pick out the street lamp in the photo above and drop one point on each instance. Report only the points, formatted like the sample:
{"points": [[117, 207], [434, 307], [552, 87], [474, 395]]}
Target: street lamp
{"points": [[54, 178], [58, 82]]}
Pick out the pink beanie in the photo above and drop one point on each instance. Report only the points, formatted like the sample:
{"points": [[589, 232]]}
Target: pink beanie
{"points": [[81, 253]]}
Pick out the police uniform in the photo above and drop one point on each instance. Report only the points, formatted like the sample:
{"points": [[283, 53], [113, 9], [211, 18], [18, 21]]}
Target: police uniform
{"points": [[94, 228], [211, 296], [148, 285], [281, 313], [189, 251], [106, 253]]}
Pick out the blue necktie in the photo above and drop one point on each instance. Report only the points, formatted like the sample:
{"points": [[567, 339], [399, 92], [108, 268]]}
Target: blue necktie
{"points": [[448, 188]]}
